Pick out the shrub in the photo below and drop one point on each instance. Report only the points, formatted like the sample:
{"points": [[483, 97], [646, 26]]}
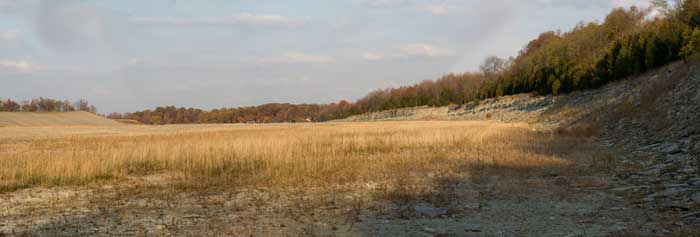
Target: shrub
{"points": [[691, 50]]}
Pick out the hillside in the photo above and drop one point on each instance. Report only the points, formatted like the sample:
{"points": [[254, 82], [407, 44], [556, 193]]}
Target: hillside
{"points": [[27, 119], [669, 93], [652, 121], [659, 107]]}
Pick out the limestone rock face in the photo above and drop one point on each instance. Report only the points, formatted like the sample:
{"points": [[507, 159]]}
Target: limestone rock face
{"points": [[653, 120]]}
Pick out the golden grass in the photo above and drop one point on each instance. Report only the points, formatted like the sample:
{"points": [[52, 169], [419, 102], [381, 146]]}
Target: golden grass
{"points": [[27, 119], [279, 155]]}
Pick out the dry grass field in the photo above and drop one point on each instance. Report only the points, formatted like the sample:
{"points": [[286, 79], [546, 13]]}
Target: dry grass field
{"points": [[340, 179], [276, 155], [78, 118]]}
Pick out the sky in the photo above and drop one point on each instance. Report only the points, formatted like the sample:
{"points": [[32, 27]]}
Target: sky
{"points": [[128, 55]]}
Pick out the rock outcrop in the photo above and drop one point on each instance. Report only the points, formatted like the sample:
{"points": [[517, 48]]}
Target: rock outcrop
{"points": [[652, 121]]}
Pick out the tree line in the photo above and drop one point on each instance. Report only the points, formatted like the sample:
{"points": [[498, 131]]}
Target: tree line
{"points": [[452, 88], [627, 43], [267, 113], [46, 105]]}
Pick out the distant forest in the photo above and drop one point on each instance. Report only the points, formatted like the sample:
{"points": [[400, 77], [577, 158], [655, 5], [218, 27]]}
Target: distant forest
{"points": [[46, 105], [627, 43], [268, 113]]}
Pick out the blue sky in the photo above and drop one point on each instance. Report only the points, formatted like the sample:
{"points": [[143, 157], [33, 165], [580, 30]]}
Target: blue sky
{"points": [[131, 55]]}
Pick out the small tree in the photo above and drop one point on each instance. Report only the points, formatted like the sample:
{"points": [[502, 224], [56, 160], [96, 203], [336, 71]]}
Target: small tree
{"points": [[492, 66], [555, 87], [29, 106], [115, 115], [12, 106], [66, 106], [156, 120], [691, 50], [688, 11], [82, 105]]}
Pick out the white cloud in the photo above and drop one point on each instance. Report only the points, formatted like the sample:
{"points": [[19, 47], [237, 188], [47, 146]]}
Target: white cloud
{"points": [[438, 9], [240, 18], [260, 19], [8, 34], [71, 26], [385, 3], [14, 6], [372, 56], [629, 3], [424, 49], [298, 57], [135, 61], [408, 50], [19, 65]]}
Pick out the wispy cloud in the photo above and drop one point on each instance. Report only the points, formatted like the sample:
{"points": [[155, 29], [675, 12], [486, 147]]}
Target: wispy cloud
{"points": [[385, 3], [19, 65], [372, 56], [438, 9], [8, 34], [424, 50], [299, 57], [407, 50], [240, 18], [630, 3], [15, 6]]}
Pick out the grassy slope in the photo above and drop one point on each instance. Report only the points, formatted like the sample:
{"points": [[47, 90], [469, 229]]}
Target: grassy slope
{"points": [[53, 119]]}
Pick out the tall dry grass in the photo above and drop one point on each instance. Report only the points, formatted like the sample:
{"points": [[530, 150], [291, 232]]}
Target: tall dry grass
{"points": [[279, 155]]}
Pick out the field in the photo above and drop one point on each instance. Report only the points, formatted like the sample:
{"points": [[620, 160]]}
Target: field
{"points": [[310, 179], [276, 155], [28, 119]]}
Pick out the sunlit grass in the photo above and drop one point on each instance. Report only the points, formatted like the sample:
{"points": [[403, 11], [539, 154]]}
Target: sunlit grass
{"points": [[278, 155]]}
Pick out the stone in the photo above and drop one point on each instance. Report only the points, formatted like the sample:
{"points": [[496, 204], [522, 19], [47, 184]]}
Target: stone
{"points": [[626, 189], [676, 186], [670, 148], [561, 181], [694, 214], [407, 213], [427, 210], [672, 192], [696, 198]]}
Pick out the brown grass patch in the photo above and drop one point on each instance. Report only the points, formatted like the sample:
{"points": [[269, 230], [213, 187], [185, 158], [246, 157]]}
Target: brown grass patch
{"points": [[282, 155], [29, 119], [588, 129]]}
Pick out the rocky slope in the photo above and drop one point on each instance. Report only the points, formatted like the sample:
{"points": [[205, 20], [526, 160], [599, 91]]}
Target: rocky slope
{"points": [[652, 121]]}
